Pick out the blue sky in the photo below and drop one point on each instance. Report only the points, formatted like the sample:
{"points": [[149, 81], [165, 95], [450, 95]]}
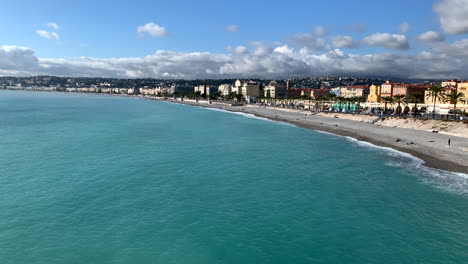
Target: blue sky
{"points": [[108, 29]]}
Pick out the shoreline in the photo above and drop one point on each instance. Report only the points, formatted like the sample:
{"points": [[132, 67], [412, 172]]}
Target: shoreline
{"points": [[431, 148], [423, 152]]}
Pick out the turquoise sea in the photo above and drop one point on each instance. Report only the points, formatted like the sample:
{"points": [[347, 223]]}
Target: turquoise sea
{"points": [[106, 179]]}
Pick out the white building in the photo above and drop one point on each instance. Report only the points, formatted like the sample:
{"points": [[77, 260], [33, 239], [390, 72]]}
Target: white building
{"points": [[225, 89]]}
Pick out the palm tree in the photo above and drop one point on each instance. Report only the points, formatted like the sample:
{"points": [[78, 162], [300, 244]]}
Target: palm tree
{"points": [[360, 99], [454, 97], [387, 100], [332, 97], [399, 99], [415, 98], [437, 93]]}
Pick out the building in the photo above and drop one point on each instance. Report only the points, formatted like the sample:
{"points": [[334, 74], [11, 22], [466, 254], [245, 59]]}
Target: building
{"points": [[251, 89], [374, 94], [202, 89], [162, 90], [225, 89], [429, 99], [386, 89], [400, 89], [205, 89], [449, 83], [296, 93], [247, 88], [318, 93], [462, 87], [450, 86], [274, 90], [416, 88], [180, 89], [148, 91], [336, 91], [390, 89], [355, 91]]}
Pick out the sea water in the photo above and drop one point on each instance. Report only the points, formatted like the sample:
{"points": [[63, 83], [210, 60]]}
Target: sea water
{"points": [[107, 179]]}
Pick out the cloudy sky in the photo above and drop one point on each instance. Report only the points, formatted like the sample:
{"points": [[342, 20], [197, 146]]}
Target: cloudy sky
{"points": [[229, 39]]}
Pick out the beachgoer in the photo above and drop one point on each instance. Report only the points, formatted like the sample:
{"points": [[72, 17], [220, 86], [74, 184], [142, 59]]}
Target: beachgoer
{"points": [[449, 142]]}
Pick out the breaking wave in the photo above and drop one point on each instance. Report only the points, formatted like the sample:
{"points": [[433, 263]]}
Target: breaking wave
{"points": [[449, 181]]}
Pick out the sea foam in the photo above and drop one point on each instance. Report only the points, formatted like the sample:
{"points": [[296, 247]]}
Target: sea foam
{"points": [[450, 181]]}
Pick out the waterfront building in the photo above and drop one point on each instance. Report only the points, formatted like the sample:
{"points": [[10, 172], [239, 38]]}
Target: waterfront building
{"points": [[450, 86], [386, 89], [225, 89], [390, 89], [416, 88], [162, 90], [133, 91], [249, 89], [462, 87], [400, 89], [336, 91], [274, 90], [206, 89], [319, 93], [447, 90], [449, 83], [295, 92], [374, 94], [355, 91], [147, 91]]}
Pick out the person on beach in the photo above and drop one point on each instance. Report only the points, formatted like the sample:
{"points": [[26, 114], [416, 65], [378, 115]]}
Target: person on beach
{"points": [[449, 142]]}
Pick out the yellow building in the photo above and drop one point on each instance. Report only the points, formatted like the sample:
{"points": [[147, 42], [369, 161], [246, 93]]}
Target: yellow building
{"points": [[449, 83], [449, 87], [428, 98], [374, 94], [462, 87]]}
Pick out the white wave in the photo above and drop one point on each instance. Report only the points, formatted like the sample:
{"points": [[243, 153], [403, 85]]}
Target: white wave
{"points": [[327, 133], [446, 180], [453, 182], [390, 151], [248, 115]]}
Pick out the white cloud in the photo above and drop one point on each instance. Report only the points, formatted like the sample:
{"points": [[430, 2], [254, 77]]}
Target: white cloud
{"points": [[309, 41], [284, 49], [232, 28], [320, 31], [404, 27], [430, 36], [238, 49], [17, 60], [445, 60], [153, 30], [343, 42], [53, 25], [386, 40], [453, 16], [47, 34], [457, 50]]}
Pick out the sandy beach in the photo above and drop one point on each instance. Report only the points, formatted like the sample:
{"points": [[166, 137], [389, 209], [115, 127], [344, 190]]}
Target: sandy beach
{"points": [[431, 147]]}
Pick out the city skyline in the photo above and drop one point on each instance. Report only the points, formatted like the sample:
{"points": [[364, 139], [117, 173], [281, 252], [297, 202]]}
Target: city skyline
{"points": [[184, 40]]}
